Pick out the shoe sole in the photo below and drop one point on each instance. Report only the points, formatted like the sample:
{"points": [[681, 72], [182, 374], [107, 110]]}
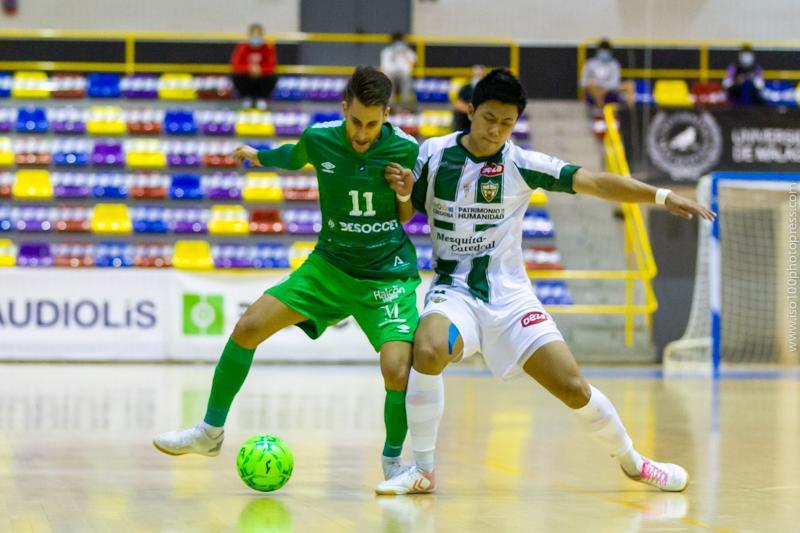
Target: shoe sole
{"points": [[408, 493], [178, 454], [685, 485]]}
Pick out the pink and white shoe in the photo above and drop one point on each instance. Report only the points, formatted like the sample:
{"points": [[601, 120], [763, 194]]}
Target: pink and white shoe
{"points": [[412, 481], [665, 476]]}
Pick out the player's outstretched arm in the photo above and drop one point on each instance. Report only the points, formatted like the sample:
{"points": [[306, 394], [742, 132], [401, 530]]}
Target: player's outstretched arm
{"points": [[401, 181], [286, 156], [625, 189], [246, 153]]}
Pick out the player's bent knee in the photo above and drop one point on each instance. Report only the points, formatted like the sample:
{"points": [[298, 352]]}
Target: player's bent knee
{"points": [[575, 393], [248, 331], [396, 378], [430, 358]]}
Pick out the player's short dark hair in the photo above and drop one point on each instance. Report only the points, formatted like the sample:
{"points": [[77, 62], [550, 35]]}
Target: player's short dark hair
{"points": [[370, 86], [604, 44], [255, 26], [501, 85]]}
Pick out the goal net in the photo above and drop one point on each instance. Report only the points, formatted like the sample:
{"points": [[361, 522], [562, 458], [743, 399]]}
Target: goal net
{"points": [[744, 306]]}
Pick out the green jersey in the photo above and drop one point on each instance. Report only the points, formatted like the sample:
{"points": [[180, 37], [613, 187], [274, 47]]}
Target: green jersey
{"points": [[361, 234]]}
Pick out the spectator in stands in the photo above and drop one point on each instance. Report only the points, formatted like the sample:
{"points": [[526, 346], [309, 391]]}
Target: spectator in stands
{"points": [[253, 65], [601, 79], [744, 80], [397, 62], [464, 99]]}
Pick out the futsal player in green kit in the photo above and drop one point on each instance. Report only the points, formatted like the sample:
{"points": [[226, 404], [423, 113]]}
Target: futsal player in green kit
{"points": [[363, 265]]}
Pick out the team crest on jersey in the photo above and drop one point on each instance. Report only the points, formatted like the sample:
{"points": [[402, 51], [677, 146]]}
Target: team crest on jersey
{"points": [[489, 189], [492, 169]]}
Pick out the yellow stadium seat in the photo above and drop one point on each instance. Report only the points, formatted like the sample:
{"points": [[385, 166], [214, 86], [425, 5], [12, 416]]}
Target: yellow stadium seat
{"points": [[436, 123], [176, 87], [6, 152], [111, 219], [30, 85], [539, 198], [299, 252], [106, 120], [455, 85], [192, 255], [255, 124], [228, 220], [672, 93], [262, 187], [147, 153], [797, 93], [33, 185], [8, 253]]}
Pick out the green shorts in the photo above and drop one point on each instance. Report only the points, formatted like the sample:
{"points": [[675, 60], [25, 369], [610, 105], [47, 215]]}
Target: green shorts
{"points": [[385, 309]]}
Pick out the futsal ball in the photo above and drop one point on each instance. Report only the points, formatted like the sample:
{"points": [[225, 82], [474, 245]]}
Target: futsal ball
{"points": [[265, 463]]}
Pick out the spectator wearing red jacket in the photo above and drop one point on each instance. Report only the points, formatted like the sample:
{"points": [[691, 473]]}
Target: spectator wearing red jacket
{"points": [[253, 65]]}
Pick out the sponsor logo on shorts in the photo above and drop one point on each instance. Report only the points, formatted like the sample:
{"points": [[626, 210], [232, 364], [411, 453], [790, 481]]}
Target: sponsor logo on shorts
{"points": [[388, 295], [533, 318], [375, 227]]}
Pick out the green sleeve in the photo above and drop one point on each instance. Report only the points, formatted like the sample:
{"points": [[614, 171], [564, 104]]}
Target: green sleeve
{"points": [[547, 181], [286, 156], [419, 194]]}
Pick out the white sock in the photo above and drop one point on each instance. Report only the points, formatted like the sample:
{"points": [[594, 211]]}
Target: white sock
{"points": [[212, 431], [424, 409], [602, 422]]}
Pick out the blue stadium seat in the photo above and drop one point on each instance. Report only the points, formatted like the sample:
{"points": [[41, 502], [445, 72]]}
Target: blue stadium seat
{"points": [[781, 93], [32, 120], [149, 220], [104, 85], [114, 254], [644, 92], [271, 255], [185, 187], [325, 117], [180, 122], [6, 81], [110, 186]]}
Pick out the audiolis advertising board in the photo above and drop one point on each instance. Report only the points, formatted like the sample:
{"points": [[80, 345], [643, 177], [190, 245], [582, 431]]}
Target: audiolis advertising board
{"points": [[54, 314], [680, 145]]}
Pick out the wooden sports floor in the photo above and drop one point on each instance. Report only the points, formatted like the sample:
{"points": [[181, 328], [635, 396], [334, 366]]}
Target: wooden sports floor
{"points": [[75, 453]]}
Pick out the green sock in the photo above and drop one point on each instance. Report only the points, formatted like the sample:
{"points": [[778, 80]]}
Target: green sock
{"points": [[394, 416], [231, 371]]}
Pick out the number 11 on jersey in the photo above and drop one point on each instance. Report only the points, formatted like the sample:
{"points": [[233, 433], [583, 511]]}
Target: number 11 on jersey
{"points": [[357, 212]]}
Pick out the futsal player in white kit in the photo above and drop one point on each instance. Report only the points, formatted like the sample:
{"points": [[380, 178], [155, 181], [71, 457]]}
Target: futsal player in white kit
{"points": [[475, 188]]}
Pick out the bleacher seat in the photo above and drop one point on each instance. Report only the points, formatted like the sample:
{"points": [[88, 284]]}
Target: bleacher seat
{"points": [[73, 255], [185, 187], [221, 186], [152, 255], [109, 186], [432, 90], [149, 186], [8, 118], [72, 153], [7, 156], [408, 122], [33, 185], [32, 152], [71, 185], [183, 153], [644, 92], [325, 89], [68, 120], [262, 187], [537, 224], [538, 198], [34, 254], [34, 219], [145, 153], [672, 93], [552, 293], [271, 255], [266, 220], [300, 188], [217, 121], [111, 219], [31, 120], [188, 220], [542, 258], [7, 180], [290, 124], [424, 256], [781, 93], [253, 123], [192, 255], [172, 86], [213, 87], [140, 86], [144, 121], [232, 256], [418, 225], [322, 117], [435, 123], [73, 219], [228, 220], [288, 89], [709, 94], [149, 220], [218, 154], [108, 154], [29, 84], [8, 253], [522, 129], [179, 122], [303, 221], [299, 252], [68, 85], [103, 85], [6, 84], [114, 254], [106, 120], [6, 220]]}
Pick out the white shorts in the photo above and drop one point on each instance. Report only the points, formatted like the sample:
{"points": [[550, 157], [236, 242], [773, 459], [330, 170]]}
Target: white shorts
{"points": [[506, 335]]}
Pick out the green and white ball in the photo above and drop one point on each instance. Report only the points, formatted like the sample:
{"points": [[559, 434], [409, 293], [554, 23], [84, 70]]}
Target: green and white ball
{"points": [[265, 463]]}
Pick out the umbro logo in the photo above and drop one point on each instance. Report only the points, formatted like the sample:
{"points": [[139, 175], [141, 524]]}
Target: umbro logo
{"points": [[328, 167]]}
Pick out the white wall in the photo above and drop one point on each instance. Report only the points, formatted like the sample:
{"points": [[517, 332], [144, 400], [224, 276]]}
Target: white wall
{"points": [[156, 15], [569, 21]]}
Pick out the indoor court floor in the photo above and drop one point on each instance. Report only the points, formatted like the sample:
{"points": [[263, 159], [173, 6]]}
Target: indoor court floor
{"points": [[76, 453]]}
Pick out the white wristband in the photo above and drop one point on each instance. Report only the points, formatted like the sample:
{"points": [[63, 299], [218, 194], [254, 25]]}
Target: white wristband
{"points": [[405, 198], [661, 196]]}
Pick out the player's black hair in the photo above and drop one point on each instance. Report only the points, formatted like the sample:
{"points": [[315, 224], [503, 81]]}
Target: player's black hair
{"points": [[501, 85], [370, 86], [604, 44], [397, 36]]}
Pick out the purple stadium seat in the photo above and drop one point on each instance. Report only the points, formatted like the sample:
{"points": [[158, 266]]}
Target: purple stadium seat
{"points": [[222, 186], [34, 219], [306, 221], [191, 220], [418, 225], [34, 254], [271, 255], [140, 86], [232, 256], [108, 154]]}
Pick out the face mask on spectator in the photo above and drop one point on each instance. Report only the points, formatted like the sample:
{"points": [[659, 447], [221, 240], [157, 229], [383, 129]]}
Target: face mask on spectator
{"points": [[746, 59], [256, 41], [604, 55]]}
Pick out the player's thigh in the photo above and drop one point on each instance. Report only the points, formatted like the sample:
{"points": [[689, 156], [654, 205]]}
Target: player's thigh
{"points": [[556, 369], [448, 330], [262, 319], [386, 310], [395, 364]]}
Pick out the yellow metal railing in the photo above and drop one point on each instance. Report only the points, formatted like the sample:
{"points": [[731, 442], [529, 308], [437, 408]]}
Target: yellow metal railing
{"points": [[130, 63], [703, 72], [639, 254]]}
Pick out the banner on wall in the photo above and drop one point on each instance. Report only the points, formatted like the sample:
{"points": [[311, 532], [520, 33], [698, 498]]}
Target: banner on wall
{"points": [[133, 314], [680, 145]]}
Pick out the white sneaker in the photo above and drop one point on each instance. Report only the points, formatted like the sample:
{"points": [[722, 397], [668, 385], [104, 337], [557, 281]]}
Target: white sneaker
{"points": [[391, 470], [412, 481], [665, 476], [191, 440]]}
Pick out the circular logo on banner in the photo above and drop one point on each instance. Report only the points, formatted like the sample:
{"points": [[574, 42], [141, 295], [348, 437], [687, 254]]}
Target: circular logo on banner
{"points": [[684, 144]]}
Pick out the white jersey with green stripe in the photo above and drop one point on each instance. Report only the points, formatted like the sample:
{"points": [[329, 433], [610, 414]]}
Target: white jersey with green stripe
{"points": [[475, 206]]}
